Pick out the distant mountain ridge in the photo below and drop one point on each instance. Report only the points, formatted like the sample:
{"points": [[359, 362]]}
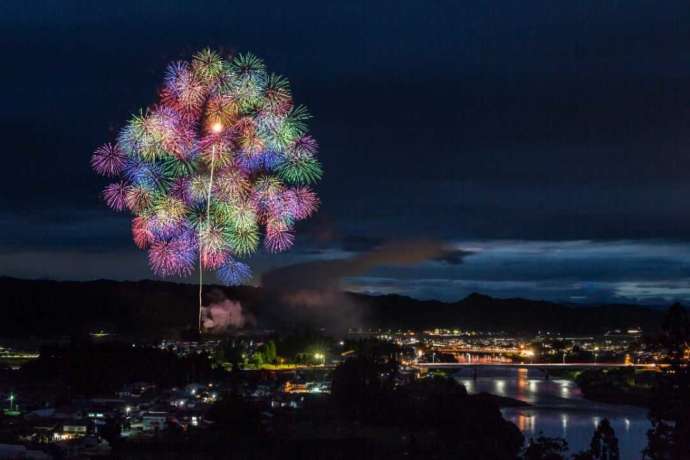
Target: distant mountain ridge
{"points": [[481, 312], [154, 308]]}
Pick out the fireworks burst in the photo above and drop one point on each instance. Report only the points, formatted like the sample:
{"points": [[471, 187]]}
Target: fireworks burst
{"points": [[223, 157]]}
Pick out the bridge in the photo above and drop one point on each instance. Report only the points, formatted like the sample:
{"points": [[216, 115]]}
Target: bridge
{"points": [[537, 365]]}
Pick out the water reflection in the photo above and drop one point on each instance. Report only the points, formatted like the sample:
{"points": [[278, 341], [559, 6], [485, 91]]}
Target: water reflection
{"points": [[526, 423], [521, 383], [500, 387], [564, 423], [558, 408]]}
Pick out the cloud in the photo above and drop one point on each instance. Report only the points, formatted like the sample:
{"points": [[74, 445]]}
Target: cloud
{"points": [[455, 256], [75, 264], [652, 272], [359, 243], [646, 271]]}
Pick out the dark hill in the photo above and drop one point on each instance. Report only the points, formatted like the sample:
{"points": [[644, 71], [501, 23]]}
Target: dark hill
{"points": [[482, 312], [52, 308]]}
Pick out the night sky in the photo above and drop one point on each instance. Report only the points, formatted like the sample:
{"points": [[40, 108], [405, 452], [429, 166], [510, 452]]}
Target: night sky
{"points": [[551, 139]]}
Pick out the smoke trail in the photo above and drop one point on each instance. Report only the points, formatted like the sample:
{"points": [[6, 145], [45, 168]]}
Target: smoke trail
{"points": [[311, 292], [327, 274]]}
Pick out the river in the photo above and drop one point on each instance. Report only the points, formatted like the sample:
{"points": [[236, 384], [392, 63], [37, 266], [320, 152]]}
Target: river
{"points": [[559, 409]]}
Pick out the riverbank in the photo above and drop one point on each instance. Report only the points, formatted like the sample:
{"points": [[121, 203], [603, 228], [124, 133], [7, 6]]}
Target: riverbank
{"points": [[617, 386], [503, 401], [559, 409]]}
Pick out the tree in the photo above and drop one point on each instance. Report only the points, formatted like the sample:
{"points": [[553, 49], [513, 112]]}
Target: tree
{"points": [[604, 445], [544, 448], [235, 352], [257, 358], [268, 352], [467, 426], [111, 432], [357, 387], [584, 455], [236, 416], [300, 346], [669, 438]]}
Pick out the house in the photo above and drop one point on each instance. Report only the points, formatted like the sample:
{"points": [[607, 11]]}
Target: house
{"points": [[135, 390], [71, 429], [154, 420]]}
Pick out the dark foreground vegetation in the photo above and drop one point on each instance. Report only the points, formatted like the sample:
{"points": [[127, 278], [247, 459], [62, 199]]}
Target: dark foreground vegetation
{"points": [[618, 386]]}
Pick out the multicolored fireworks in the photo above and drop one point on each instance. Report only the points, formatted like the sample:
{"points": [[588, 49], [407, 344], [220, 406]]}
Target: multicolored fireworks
{"points": [[222, 158]]}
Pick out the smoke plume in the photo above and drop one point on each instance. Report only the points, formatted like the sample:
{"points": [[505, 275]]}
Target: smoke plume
{"points": [[311, 292], [223, 314], [328, 274]]}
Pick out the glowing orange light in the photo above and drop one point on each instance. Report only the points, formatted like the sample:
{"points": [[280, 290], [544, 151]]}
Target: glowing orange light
{"points": [[217, 127]]}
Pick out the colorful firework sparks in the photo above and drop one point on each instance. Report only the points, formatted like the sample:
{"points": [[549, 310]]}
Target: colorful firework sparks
{"points": [[221, 158]]}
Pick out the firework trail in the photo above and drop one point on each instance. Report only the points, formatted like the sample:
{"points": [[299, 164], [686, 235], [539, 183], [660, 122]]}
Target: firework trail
{"points": [[222, 159]]}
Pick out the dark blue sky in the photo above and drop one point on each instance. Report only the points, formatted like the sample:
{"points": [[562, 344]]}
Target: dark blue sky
{"points": [[551, 137]]}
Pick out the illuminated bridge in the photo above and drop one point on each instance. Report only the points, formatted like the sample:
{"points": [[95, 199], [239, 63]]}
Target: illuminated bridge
{"points": [[535, 365]]}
